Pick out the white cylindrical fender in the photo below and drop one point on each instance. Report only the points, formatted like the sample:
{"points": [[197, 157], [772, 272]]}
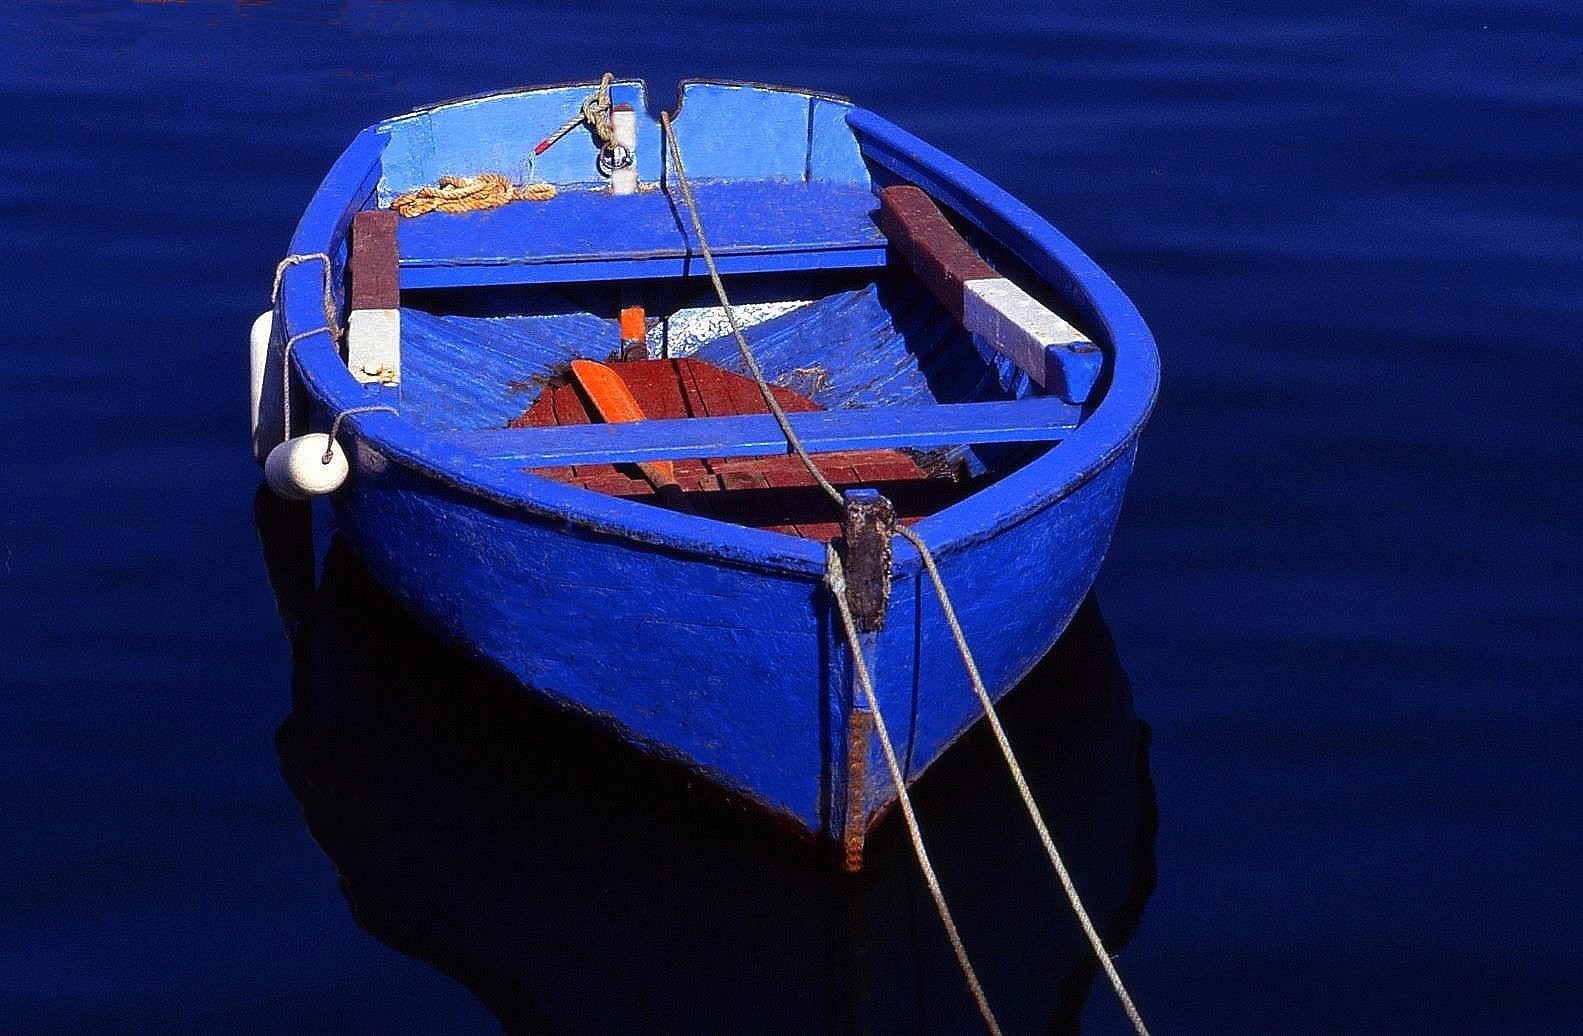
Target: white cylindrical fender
{"points": [[296, 469], [267, 428]]}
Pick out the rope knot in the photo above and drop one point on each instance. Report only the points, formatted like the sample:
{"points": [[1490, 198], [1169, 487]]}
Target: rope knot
{"points": [[595, 110], [834, 574], [323, 258]]}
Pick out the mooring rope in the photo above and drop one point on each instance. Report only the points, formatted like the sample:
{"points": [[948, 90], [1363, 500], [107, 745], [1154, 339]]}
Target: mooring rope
{"points": [[993, 715], [731, 318], [595, 111], [335, 425], [836, 580]]}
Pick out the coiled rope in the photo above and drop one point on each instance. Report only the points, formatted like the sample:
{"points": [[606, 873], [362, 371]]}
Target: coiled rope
{"points": [[469, 194], [835, 579], [456, 194]]}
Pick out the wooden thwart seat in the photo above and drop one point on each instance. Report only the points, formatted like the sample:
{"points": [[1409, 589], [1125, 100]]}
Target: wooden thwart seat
{"points": [[585, 235], [1056, 355], [730, 459], [1038, 419]]}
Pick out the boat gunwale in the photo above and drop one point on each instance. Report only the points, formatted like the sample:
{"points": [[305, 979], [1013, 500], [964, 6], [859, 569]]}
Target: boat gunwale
{"points": [[640, 85], [1106, 434]]}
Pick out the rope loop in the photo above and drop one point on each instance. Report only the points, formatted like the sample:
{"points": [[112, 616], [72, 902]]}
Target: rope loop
{"points": [[331, 325], [330, 321], [595, 110]]}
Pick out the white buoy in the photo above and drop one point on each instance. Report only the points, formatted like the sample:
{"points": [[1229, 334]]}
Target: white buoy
{"points": [[296, 469], [266, 426]]}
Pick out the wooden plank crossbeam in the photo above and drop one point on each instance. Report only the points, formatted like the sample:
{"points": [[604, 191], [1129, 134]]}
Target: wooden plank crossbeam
{"points": [[373, 260], [587, 235], [1056, 355], [373, 331], [940, 256], [1038, 419]]}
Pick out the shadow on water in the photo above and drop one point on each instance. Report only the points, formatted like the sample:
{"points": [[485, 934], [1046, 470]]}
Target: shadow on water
{"points": [[572, 884]]}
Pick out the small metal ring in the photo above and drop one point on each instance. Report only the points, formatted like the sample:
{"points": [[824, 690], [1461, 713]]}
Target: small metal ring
{"points": [[615, 156]]}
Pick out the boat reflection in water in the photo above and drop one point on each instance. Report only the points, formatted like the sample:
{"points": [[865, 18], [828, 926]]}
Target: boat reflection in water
{"points": [[574, 885]]}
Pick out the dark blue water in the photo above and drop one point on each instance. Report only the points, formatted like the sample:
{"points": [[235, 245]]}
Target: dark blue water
{"points": [[1344, 592]]}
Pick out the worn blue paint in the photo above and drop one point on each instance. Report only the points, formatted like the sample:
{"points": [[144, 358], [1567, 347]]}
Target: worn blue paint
{"points": [[883, 344], [833, 153], [496, 133], [470, 372], [742, 674], [1041, 419], [1071, 370], [768, 138], [591, 235]]}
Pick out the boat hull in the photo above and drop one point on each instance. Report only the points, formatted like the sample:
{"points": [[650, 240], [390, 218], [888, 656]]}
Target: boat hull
{"points": [[476, 829], [736, 670], [710, 644]]}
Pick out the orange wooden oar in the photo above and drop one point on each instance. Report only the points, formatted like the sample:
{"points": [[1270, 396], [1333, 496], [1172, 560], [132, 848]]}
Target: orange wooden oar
{"points": [[614, 402]]}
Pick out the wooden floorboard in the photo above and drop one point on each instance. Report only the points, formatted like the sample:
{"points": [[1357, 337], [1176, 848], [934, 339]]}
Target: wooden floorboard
{"points": [[770, 492]]}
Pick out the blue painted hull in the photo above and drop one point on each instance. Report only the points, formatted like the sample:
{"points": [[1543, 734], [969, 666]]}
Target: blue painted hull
{"points": [[446, 806], [714, 645]]}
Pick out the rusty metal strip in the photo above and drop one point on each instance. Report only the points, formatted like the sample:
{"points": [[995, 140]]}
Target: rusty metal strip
{"points": [[859, 730]]}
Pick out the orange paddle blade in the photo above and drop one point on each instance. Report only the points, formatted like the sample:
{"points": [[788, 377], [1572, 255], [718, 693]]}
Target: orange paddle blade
{"points": [[614, 402], [606, 391]]}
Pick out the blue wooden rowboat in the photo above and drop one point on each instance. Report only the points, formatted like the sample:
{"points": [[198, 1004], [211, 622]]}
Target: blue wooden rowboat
{"points": [[949, 325]]}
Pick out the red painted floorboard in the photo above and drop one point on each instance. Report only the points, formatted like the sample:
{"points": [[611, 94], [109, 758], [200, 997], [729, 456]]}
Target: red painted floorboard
{"points": [[774, 492]]}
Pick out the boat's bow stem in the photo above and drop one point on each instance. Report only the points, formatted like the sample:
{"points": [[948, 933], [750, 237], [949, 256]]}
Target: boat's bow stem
{"points": [[835, 579]]}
